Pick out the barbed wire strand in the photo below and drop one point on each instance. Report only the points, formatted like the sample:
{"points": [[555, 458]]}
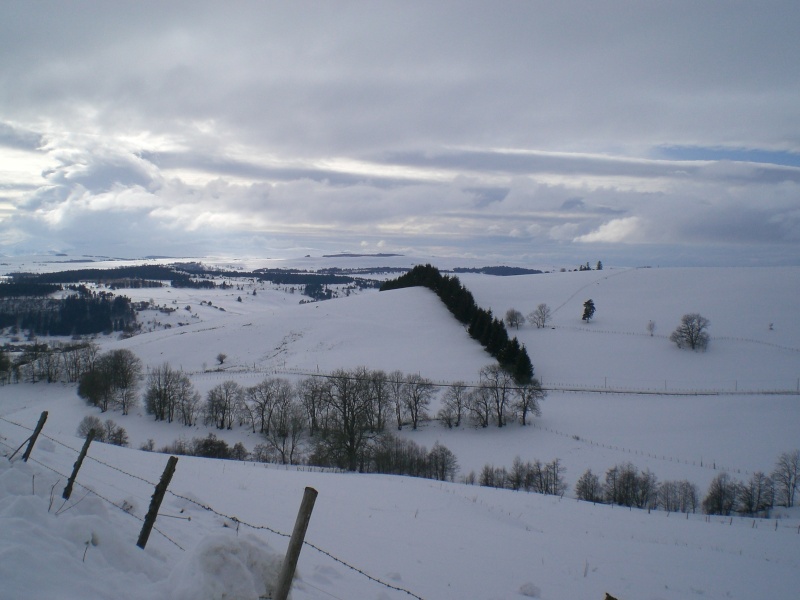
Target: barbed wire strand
{"points": [[219, 514], [306, 543], [99, 495]]}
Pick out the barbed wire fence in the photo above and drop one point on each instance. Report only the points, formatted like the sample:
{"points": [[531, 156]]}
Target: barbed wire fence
{"points": [[237, 522], [206, 507]]}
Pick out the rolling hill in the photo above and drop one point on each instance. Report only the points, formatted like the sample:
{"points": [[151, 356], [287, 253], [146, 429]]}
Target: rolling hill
{"points": [[681, 414]]}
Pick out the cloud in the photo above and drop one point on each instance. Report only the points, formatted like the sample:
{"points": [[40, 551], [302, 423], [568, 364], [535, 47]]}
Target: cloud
{"points": [[536, 130], [19, 138], [625, 230]]}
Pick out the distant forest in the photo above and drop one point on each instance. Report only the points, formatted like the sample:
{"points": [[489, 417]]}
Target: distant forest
{"points": [[188, 275], [85, 313], [500, 271]]}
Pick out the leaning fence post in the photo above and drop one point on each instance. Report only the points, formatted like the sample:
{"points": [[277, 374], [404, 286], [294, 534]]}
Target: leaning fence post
{"points": [[35, 435], [155, 502], [295, 544], [68, 489]]}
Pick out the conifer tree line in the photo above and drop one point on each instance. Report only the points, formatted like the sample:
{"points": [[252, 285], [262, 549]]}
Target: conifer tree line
{"points": [[84, 313], [481, 324]]}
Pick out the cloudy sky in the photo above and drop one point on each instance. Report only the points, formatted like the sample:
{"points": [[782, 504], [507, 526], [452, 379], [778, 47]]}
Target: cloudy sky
{"points": [[540, 132]]}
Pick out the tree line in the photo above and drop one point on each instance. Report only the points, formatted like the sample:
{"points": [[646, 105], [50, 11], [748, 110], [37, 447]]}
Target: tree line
{"points": [[338, 420], [84, 313], [481, 324], [625, 485], [527, 476], [341, 420], [59, 362]]}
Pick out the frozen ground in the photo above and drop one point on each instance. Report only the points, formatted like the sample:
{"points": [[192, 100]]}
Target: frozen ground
{"points": [[437, 540]]}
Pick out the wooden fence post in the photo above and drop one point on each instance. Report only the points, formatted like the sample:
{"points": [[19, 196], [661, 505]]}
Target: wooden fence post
{"points": [[295, 544], [155, 502], [35, 435], [68, 489]]}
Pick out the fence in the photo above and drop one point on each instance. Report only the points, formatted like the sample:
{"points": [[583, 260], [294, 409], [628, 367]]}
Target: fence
{"points": [[161, 489], [713, 465], [761, 524]]}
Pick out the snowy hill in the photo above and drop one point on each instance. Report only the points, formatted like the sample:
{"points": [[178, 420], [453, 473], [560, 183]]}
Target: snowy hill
{"points": [[437, 540]]}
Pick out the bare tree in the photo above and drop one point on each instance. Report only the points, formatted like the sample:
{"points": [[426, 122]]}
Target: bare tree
{"points": [[160, 398], [500, 385], [689, 496], [454, 404], [48, 364], [418, 393], [757, 495], [88, 423], [479, 404], [528, 398], [108, 432], [96, 387], [221, 357], [514, 318], [691, 333], [396, 382], [647, 491], [312, 394], [381, 404], [722, 495], [114, 434], [187, 399], [113, 381], [261, 399], [678, 496], [285, 435], [222, 403], [588, 487], [126, 370], [540, 316], [77, 359], [785, 476], [443, 463], [651, 327], [348, 433]]}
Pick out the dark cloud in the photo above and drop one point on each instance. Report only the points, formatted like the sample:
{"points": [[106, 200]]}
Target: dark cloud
{"points": [[20, 139]]}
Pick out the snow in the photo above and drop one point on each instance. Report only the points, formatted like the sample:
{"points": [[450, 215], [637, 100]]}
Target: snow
{"points": [[434, 539]]}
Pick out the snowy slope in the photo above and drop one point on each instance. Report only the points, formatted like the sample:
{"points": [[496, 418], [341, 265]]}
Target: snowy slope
{"points": [[434, 539], [438, 540]]}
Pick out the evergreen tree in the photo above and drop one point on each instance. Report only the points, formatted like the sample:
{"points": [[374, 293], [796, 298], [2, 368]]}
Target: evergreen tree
{"points": [[588, 310], [523, 367]]}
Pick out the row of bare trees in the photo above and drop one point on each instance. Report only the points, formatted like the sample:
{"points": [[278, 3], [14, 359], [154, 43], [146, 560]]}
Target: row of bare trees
{"points": [[496, 400], [338, 417], [758, 494], [112, 381], [527, 476], [337, 420], [625, 485], [539, 317], [51, 363]]}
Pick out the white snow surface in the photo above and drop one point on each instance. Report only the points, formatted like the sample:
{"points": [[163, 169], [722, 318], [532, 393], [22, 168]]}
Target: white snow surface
{"points": [[221, 529]]}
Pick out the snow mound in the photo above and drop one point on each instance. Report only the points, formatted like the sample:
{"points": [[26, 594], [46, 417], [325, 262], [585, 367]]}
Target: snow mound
{"points": [[226, 566]]}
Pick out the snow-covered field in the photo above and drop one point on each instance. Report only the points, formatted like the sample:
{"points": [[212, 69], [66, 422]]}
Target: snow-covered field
{"points": [[435, 540]]}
